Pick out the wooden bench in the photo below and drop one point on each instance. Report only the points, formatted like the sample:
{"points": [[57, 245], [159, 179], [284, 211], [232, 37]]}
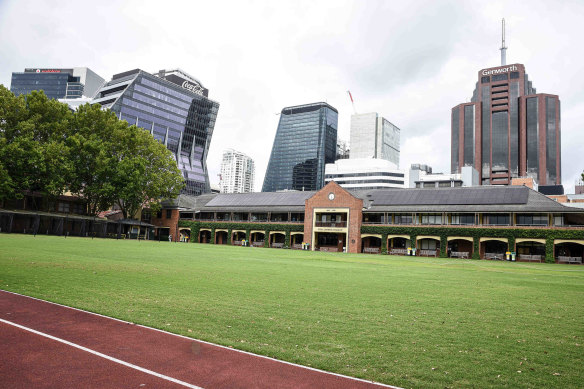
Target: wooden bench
{"points": [[393, 251], [236, 242], [259, 243], [529, 258], [566, 259], [297, 246], [427, 253], [371, 250], [329, 249], [277, 245], [459, 254], [496, 256]]}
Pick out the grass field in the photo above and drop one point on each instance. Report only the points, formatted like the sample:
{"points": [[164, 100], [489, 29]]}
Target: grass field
{"points": [[409, 322]]}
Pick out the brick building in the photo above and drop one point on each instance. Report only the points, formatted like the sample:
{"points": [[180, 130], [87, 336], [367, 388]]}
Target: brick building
{"points": [[507, 130]]}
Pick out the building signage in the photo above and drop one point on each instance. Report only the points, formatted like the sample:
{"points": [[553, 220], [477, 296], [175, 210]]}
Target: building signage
{"points": [[487, 72], [192, 87], [38, 70]]}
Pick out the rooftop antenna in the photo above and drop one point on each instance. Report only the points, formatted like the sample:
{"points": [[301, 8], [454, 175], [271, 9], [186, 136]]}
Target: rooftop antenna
{"points": [[503, 48]]}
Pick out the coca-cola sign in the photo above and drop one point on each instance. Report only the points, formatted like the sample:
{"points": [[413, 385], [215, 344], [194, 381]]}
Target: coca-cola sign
{"points": [[192, 87]]}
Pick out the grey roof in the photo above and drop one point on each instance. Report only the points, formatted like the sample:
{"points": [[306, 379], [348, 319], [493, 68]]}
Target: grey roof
{"points": [[261, 199], [460, 200]]}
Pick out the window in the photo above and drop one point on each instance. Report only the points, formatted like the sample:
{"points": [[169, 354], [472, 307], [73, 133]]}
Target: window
{"points": [[435, 218], [462, 219], [485, 79], [496, 220], [169, 213], [514, 75], [63, 207], [500, 77]]}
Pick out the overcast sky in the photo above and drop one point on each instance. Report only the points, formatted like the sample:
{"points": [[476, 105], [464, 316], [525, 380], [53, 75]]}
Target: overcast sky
{"points": [[410, 61]]}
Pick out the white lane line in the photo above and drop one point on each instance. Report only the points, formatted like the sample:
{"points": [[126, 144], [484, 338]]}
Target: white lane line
{"points": [[209, 343], [164, 377]]}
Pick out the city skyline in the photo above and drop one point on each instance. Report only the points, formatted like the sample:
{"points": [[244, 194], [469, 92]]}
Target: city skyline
{"points": [[413, 72]]}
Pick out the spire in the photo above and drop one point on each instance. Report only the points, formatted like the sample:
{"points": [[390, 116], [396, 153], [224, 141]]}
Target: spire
{"points": [[503, 48]]}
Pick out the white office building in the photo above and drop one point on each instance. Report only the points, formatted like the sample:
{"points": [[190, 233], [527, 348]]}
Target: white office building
{"points": [[365, 173], [373, 136], [237, 173]]}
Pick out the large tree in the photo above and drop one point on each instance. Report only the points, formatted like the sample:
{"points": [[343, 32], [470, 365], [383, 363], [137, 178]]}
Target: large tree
{"points": [[33, 153], [93, 142], [146, 171]]}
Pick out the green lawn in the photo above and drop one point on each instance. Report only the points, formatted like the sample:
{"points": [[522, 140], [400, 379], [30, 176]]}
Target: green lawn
{"points": [[409, 322]]}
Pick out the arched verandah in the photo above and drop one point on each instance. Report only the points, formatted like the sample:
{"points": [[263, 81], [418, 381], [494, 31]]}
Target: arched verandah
{"points": [[296, 239], [184, 234], [371, 243], [530, 250], [428, 245], [460, 246], [493, 248], [398, 244], [221, 236], [257, 238], [204, 235], [277, 239], [237, 237], [569, 251]]}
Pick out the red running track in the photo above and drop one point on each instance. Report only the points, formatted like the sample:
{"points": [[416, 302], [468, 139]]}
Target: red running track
{"points": [[46, 345]]}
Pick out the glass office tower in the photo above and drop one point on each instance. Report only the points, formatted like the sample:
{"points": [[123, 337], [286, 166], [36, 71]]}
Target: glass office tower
{"points": [[508, 130], [305, 141], [175, 109], [70, 83]]}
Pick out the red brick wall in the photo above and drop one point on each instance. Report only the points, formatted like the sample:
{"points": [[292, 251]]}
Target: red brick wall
{"points": [[343, 199], [171, 222]]}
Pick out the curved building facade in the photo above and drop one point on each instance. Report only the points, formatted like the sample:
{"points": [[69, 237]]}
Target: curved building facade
{"points": [[175, 109]]}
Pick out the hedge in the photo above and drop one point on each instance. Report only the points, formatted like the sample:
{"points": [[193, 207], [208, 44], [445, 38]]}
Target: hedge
{"points": [[196, 226]]}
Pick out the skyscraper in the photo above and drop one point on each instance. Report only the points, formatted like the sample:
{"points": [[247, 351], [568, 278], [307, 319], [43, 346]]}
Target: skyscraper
{"points": [[373, 136], [237, 172], [508, 130], [57, 83], [305, 141], [173, 106]]}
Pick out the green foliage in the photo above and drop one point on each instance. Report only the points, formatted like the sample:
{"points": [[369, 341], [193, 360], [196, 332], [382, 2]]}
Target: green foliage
{"points": [[33, 152], [46, 148], [476, 233]]}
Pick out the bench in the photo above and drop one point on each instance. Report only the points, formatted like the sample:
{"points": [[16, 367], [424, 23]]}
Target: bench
{"points": [[459, 254], [259, 243], [393, 251], [371, 250], [277, 245], [329, 249], [496, 256], [529, 258], [236, 242], [566, 259], [427, 253], [297, 246]]}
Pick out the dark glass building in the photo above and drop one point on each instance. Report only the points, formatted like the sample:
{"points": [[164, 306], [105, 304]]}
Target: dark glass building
{"points": [[70, 83], [305, 141], [174, 107], [508, 130]]}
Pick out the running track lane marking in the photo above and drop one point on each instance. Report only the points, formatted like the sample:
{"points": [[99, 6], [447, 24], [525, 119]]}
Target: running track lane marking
{"points": [[164, 377], [209, 343]]}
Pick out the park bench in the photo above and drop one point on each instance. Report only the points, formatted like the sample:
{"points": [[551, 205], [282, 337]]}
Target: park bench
{"points": [[371, 250], [530, 258], [277, 245], [427, 253], [566, 259], [393, 251], [459, 254]]}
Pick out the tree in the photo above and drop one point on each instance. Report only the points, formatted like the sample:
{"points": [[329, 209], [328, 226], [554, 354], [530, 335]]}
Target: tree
{"points": [[33, 153], [92, 142], [146, 171]]}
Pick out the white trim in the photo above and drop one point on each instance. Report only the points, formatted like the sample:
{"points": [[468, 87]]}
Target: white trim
{"points": [[130, 365], [209, 343]]}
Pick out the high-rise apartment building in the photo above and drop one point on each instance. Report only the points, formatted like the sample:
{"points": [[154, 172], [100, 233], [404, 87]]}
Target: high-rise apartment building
{"points": [[237, 172], [373, 136], [174, 107], [305, 141], [508, 130], [69, 83]]}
